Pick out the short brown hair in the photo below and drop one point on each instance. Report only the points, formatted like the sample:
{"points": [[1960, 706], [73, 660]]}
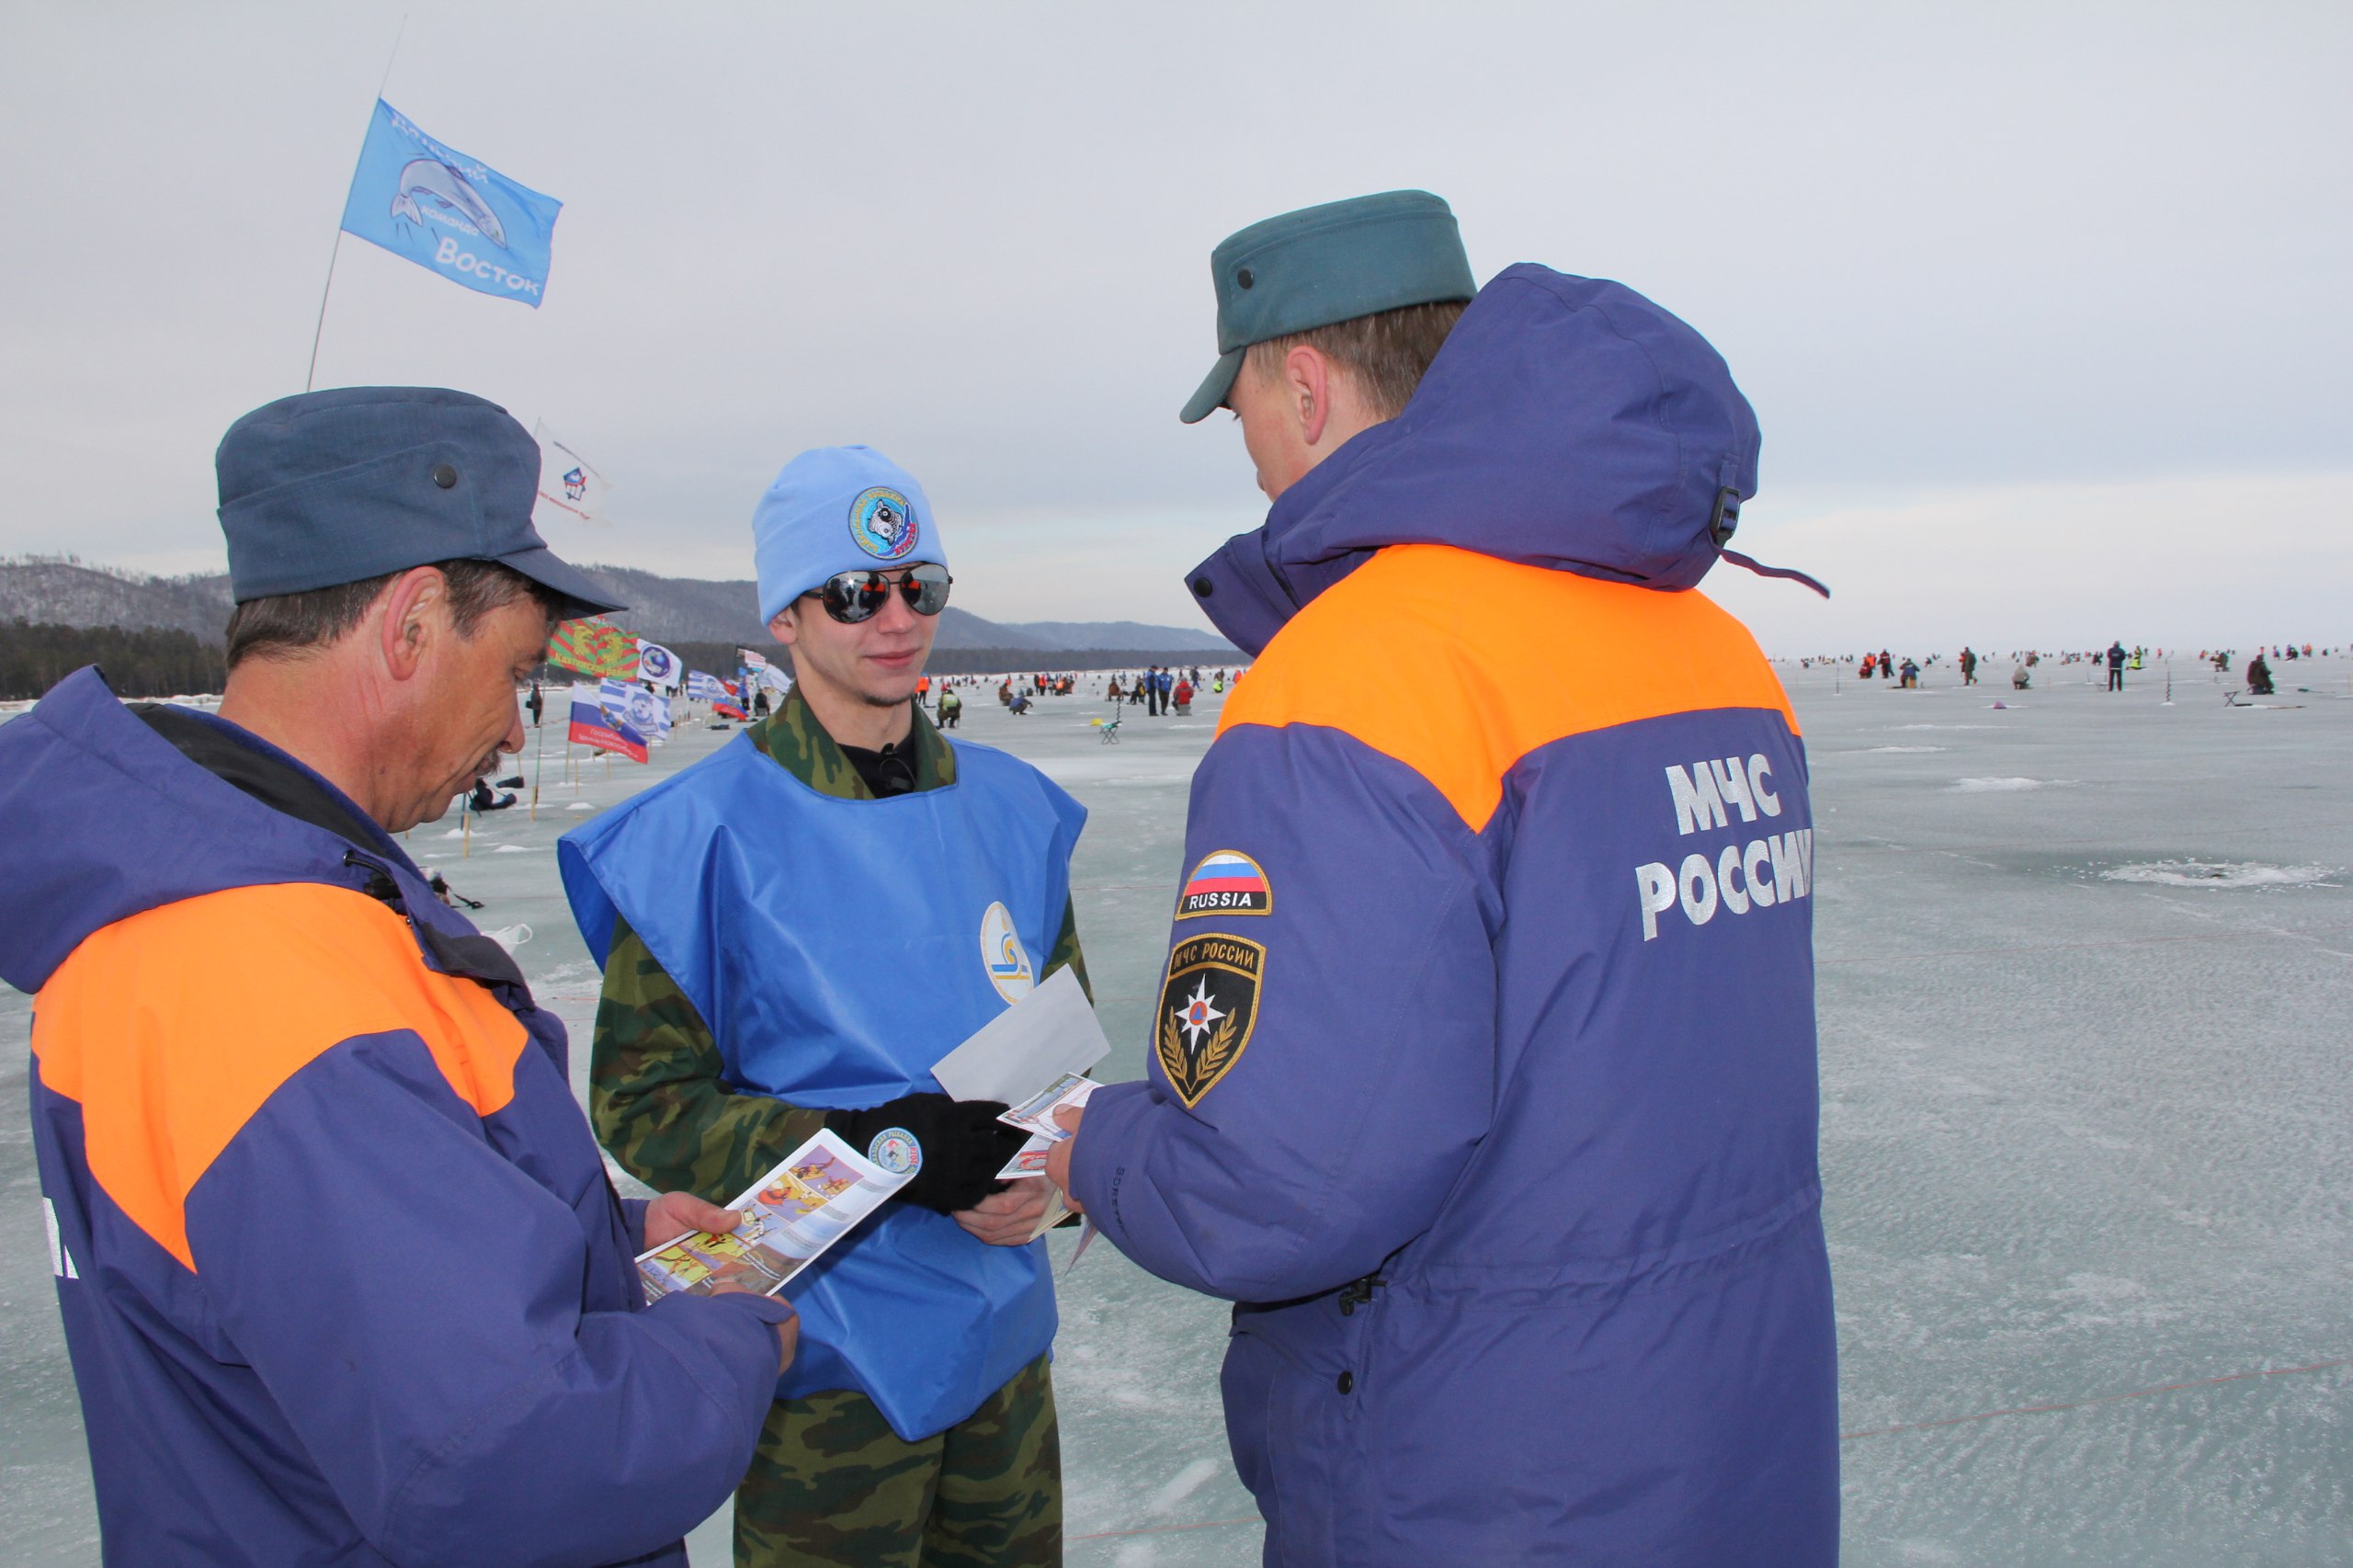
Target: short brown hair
{"points": [[291, 623], [1387, 351]]}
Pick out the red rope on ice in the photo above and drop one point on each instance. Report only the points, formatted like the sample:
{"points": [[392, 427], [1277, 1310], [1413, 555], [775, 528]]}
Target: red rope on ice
{"points": [[1871, 1432], [2087, 1404], [2078, 947], [1169, 1530]]}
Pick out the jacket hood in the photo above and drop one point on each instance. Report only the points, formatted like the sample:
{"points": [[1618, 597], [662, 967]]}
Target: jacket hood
{"points": [[101, 818], [1568, 422]]}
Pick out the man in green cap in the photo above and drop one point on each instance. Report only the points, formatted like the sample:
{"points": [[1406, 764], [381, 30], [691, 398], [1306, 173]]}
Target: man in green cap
{"points": [[1360, 274], [1481, 1077]]}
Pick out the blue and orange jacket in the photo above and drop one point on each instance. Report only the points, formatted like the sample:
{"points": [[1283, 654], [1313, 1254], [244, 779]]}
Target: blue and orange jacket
{"points": [[343, 1278], [1484, 1075]]}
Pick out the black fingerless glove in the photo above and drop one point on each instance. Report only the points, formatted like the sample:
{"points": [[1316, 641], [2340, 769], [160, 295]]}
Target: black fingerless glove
{"points": [[960, 1145]]}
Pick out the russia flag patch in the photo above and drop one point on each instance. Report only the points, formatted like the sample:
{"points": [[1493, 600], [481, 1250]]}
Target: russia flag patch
{"points": [[1227, 882]]}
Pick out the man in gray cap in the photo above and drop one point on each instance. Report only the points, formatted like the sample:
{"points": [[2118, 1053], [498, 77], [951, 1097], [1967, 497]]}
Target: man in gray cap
{"points": [[342, 1275], [1482, 1074]]}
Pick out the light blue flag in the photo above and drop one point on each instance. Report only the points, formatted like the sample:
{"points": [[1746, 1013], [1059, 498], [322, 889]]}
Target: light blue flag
{"points": [[450, 213]]}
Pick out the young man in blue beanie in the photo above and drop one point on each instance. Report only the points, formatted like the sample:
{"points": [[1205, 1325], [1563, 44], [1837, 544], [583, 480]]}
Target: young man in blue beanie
{"points": [[793, 931], [1482, 1080]]}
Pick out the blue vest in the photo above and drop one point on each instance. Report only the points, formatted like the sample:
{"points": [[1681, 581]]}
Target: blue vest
{"points": [[837, 948]]}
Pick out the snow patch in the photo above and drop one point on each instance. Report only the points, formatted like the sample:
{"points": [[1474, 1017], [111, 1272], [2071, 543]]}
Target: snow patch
{"points": [[2219, 874], [2100, 1288], [1909, 748], [1181, 1485], [1990, 786]]}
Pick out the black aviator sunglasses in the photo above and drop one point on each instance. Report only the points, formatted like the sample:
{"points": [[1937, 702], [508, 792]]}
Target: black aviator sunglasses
{"points": [[852, 596]]}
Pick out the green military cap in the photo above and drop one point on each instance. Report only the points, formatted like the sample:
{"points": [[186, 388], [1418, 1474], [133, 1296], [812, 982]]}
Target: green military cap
{"points": [[1327, 264]]}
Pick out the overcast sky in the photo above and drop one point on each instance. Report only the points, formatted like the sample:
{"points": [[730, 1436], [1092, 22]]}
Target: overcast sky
{"points": [[2042, 307]]}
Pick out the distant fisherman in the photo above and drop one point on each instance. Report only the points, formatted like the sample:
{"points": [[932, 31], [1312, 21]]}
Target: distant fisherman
{"points": [[342, 1274], [1481, 1074]]}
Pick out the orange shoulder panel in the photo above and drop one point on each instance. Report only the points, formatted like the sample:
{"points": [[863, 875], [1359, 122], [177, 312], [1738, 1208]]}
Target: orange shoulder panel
{"points": [[1459, 664], [171, 1028]]}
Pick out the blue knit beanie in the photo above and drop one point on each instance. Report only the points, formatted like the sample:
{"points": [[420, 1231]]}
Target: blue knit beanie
{"points": [[838, 509]]}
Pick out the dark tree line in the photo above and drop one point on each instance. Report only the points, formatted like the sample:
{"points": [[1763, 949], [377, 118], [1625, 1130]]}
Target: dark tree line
{"points": [[151, 662], [988, 661], [155, 661], [719, 659]]}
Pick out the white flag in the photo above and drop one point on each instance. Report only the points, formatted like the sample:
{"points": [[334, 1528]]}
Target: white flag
{"points": [[656, 665], [570, 486]]}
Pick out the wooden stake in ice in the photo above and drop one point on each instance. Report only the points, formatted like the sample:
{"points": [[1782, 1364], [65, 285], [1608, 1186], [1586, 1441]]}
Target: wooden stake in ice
{"points": [[539, 765]]}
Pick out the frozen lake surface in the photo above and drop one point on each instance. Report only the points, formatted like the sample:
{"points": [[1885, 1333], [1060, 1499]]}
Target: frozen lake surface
{"points": [[2086, 966]]}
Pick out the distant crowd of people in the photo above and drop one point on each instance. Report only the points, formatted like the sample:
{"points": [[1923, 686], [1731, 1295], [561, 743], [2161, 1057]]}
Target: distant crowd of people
{"points": [[1157, 688], [2116, 660]]}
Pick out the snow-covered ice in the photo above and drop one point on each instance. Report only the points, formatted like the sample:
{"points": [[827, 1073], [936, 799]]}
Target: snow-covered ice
{"points": [[1995, 786], [2086, 1122], [2219, 874]]}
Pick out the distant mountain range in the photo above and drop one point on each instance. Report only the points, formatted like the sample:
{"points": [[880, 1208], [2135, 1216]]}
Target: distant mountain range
{"points": [[667, 609], [67, 593], [702, 609]]}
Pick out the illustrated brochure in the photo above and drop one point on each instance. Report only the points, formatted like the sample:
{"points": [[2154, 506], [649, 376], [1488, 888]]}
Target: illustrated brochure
{"points": [[813, 1197]]}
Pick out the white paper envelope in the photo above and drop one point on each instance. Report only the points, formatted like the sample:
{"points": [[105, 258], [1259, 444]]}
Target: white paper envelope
{"points": [[1046, 1034]]}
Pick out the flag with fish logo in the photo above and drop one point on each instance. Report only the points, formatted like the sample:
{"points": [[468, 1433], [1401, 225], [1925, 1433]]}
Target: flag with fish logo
{"points": [[449, 213]]}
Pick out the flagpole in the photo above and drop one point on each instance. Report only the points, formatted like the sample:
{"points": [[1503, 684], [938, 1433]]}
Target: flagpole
{"points": [[539, 763], [319, 328]]}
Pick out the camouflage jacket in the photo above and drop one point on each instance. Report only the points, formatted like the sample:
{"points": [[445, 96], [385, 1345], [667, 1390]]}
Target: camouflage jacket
{"points": [[657, 1087]]}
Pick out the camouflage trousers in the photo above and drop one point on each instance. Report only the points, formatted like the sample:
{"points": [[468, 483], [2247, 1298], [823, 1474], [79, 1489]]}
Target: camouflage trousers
{"points": [[831, 1484]]}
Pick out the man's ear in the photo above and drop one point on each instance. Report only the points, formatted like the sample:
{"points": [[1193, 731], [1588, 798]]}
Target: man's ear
{"points": [[414, 609], [1307, 389], [786, 627]]}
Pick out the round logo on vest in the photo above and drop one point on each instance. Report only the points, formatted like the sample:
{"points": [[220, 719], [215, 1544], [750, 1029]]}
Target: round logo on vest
{"points": [[1002, 954]]}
